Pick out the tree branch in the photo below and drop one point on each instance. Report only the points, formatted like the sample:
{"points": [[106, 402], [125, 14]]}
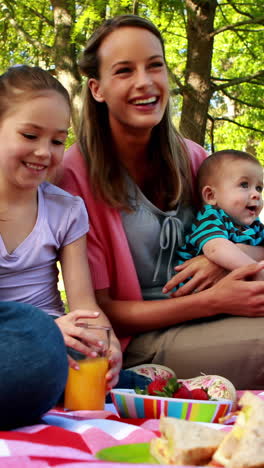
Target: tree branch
{"points": [[175, 91], [40, 16], [236, 123], [238, 10], [174, 78], [26, 36], [237, 31], [235, 81], [212, 127], [135, 7], [244, 103], [31, 10], [234, 26]]}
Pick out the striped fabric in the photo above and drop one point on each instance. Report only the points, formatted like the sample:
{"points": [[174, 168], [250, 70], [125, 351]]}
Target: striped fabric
{"points": [[211, 223], [71, 439]]}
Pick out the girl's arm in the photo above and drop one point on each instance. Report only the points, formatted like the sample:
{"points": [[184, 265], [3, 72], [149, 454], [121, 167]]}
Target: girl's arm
{"points": [[232, 295], [81, 299]]}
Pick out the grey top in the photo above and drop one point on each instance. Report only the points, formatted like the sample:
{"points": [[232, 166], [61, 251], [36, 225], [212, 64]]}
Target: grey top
{"points": [[154, 236]]}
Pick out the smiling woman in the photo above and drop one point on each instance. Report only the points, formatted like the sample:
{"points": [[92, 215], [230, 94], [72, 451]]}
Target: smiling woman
{"points": [[135, 174], [136, 89]]}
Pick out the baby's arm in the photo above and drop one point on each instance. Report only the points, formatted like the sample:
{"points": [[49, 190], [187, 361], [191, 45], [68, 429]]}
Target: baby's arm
{"points": [[225, 253], [81, 300], [219, 250], [256, 252]]}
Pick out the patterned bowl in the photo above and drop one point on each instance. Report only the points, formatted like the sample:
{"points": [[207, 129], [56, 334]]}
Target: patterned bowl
{"points": [[131, 405]]}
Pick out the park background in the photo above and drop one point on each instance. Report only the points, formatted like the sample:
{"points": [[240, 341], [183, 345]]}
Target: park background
{"points": [[214, 52]]}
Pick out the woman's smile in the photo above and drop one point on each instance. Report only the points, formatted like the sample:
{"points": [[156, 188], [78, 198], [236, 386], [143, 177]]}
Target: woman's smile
{"points": [[133, 79]]}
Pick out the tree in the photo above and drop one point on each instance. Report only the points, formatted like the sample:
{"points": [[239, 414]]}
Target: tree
{"points": [[213, 48], [201, 87]]}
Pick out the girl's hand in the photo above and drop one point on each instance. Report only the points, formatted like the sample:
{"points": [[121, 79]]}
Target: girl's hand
{"points": [[115, 364], [77, 337], [201, 274]]}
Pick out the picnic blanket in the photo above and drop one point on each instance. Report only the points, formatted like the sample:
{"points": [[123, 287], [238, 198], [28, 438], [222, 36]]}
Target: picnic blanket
{"points": [[71, 439]]}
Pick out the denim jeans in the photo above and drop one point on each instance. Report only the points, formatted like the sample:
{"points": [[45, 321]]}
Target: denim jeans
{"points": [[34, 365]]}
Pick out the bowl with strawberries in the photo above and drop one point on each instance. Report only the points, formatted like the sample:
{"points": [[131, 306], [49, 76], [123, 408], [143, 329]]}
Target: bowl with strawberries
{"points": [[202, 399]]}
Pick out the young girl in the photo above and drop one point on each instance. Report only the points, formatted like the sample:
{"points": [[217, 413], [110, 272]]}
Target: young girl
{"points": [[40, 223], [134, 172]]}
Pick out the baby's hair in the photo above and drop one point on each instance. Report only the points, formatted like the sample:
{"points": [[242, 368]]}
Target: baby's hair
{"points": [[21, 81], [211, 165]]}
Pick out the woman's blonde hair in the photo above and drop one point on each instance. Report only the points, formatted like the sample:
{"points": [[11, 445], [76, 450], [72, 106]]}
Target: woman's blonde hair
{"points": [[168, 156]]}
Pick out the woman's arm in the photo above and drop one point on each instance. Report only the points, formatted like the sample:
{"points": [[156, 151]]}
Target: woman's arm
{"points": [[232, 295], [81, 299]]}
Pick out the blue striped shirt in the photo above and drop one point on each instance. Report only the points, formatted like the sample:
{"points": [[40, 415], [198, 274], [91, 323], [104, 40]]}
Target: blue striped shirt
{"points": [[212, 223]]}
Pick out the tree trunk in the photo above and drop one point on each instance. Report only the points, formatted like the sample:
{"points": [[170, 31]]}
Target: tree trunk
{"points": [[197, 90], [64, 52]]}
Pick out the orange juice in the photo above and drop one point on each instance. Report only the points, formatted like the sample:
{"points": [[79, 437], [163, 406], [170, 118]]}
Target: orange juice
{"points": [[85, 388]]}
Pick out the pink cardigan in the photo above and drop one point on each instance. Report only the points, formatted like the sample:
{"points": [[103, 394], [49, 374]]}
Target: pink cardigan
{"points": [[108, 252]]}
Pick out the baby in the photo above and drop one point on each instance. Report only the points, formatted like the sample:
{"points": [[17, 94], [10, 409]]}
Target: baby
{"points": [[230, 185]]}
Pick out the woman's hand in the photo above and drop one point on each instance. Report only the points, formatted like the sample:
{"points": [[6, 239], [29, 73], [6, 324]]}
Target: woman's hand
{"points": [[77, 337], [237, 294], [115, 363], [199, 272]]}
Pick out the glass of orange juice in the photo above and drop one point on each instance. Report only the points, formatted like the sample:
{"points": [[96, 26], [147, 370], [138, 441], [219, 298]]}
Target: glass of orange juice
{"points": [[86, 388]]}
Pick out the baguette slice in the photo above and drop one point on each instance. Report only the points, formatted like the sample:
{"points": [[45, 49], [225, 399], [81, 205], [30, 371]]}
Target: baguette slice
{"points": [[185, 442], [243, 447]]}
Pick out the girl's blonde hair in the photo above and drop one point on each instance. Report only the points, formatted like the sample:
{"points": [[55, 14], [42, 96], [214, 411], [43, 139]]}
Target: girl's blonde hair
{"points": [[22, 81], [168, 155]]}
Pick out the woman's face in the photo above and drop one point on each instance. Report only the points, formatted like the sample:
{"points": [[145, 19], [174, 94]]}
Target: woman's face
{"points": [[133, 80]]}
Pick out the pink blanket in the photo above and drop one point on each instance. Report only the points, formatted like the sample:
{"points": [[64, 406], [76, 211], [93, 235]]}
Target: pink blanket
{"points": [[70, 440]]}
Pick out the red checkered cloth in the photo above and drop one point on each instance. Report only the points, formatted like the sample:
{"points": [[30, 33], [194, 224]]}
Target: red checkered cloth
{"points": [[71, 440]]}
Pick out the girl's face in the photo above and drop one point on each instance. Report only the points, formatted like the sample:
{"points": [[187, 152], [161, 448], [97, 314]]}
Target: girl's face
{"points": [[32, 137], [133, 80]]}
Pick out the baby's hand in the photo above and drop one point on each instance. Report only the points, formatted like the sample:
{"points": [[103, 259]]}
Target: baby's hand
{"points": [[115, 363]]}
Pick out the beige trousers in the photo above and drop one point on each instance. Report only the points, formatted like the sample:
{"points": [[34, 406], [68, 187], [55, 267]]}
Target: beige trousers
{"points": [[224, 345]]}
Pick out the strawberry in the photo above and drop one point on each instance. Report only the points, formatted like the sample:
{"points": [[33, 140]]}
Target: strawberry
{"points": [[156, 386], [199, 394], [182, 392]]}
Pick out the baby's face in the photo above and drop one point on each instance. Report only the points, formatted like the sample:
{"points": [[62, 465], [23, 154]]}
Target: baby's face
{"points": [[238, 190]]}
